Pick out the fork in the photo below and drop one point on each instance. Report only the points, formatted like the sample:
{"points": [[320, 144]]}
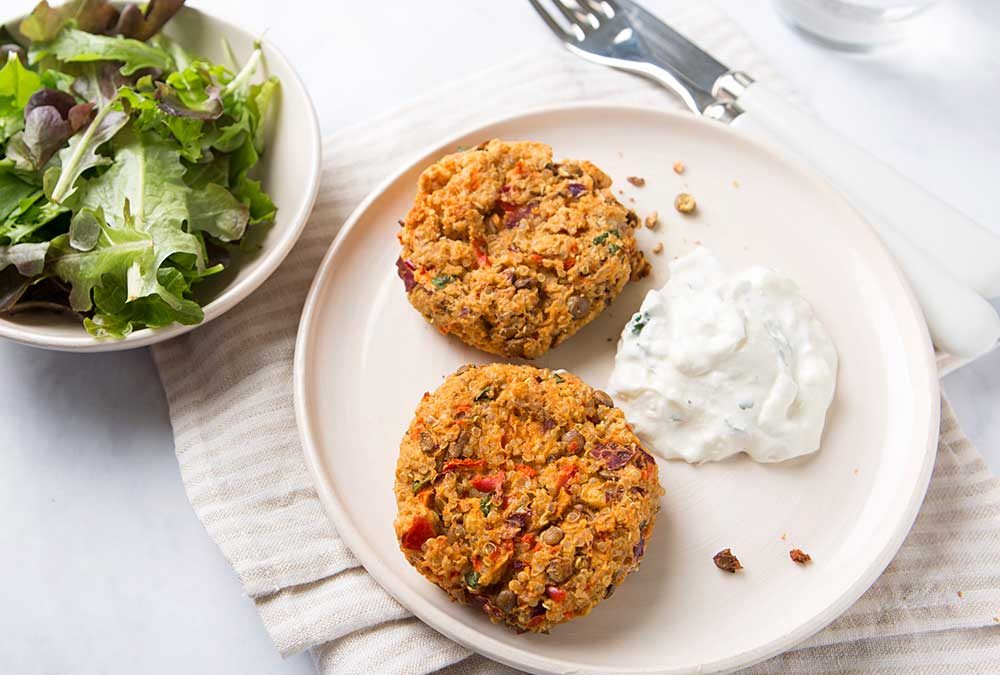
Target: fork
{"points": [[622, 35], [946, 256]]}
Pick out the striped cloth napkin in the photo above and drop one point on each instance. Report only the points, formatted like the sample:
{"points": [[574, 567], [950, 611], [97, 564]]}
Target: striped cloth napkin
{"points": [[935, 609]]}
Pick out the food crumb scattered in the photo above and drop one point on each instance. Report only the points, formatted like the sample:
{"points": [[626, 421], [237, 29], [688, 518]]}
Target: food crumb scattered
{"points": [[736, 183], [799, 556], [726, 561], [652, 220], [855, 472], [784, 535], [959, 593], [996, 619], [631, 200], [658, 249], [685, 203], [637, 181], [678, 167]]}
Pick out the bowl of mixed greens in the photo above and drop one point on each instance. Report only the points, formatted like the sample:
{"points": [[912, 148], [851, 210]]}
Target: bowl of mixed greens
{"points": [[156, 166]]}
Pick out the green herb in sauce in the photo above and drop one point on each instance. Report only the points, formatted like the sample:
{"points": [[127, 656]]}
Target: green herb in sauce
{"points": [[639, 322]]}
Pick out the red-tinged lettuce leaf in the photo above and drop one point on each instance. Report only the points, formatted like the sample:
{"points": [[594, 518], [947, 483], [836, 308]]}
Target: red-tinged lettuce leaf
{"points": [[13, 285], [44, 133], [59, 100], [99, 82], [50, 118], [209, 109], [140, 25], [99, 17], [45, 21], [17, 50]]}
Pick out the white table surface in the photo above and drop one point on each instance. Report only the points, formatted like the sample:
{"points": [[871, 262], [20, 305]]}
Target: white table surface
{"points": [[107, 570]]}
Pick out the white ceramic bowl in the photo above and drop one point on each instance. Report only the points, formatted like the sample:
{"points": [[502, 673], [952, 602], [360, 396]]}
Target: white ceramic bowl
{"points": [[289, 170]]}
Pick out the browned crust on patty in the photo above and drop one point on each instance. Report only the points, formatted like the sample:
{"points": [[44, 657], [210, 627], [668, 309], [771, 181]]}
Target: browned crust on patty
{"points": [[524, 491], [512, 253]]}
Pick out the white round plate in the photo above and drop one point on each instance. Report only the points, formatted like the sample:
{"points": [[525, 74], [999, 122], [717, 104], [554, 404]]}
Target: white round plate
{"points": [[364, 358]]}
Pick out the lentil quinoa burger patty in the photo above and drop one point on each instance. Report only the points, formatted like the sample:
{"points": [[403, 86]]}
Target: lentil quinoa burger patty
{"points": [[525, 491], [512, 253]]}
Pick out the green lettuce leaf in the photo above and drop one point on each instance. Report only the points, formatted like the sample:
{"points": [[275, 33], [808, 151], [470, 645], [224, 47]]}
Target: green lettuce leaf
{"points": [[76, 46], [81, 154], [17, 84], [124, 253], [215, 211], [13, 191], [147, 173], [260, 104], [33, 214], [119, 279], [28, 259]]}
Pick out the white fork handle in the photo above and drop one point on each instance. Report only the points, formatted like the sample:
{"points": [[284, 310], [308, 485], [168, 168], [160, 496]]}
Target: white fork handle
{"points": [[965, 249], [960, 321]]}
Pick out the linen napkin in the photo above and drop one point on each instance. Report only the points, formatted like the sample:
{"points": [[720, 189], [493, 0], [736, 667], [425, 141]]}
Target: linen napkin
{"points": [[936, 608]]}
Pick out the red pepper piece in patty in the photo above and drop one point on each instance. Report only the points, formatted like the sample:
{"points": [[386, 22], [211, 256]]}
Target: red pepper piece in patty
{"points": [[556, 593], [420, 531], [479, 248], [453, 464], [488, 483], [565, 475]]}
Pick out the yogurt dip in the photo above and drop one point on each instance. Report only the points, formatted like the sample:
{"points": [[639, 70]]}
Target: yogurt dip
{"points": [[713, 365]]}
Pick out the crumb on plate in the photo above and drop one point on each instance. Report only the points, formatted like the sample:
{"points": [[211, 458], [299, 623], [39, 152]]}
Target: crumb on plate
{"points": [[637, 181], [799, 556], [652, 220], [726, 561], [678, 167], [685, 203], [658, 249]]}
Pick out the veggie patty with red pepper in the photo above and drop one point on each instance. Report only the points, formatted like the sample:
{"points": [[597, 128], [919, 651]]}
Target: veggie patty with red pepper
{"points": [[524, 490], [512, 253]]}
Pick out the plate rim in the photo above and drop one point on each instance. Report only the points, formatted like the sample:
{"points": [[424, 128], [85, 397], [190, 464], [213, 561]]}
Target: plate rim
{"points": [[465, 635]]}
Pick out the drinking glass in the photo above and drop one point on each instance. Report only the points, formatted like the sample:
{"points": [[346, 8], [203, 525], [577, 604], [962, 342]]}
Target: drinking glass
{"points": [[852, 24]]}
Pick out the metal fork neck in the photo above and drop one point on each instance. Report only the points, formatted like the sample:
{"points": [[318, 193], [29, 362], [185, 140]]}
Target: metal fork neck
{"points": [[727, 91]]}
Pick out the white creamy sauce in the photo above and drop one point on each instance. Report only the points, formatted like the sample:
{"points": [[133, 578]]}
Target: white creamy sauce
{"points": [[714, 365]]}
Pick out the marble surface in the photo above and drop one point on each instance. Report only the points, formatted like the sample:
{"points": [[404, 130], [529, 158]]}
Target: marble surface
{"points": [[108, 570]]}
